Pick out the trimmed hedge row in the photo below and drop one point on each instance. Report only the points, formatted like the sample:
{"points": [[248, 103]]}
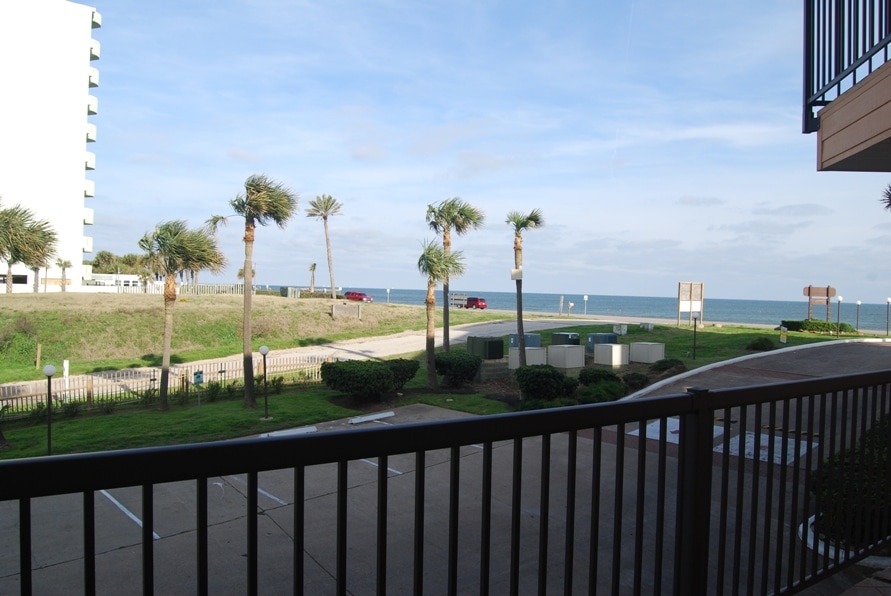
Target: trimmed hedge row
{"points": [[815, 326]]}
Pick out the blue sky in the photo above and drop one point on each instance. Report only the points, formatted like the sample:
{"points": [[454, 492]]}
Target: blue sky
{"points": [[661, 140]]}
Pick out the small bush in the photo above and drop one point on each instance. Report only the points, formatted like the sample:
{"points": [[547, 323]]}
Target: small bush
{"points": [[181, 397], [665, 364], [213, 391], [457, 367], [542, 382], [70, 408], [403, 371], [635, 381], [853, 490], [278, 384], [148, 396], [761, 344], [592, 376], [107, 405], [363, 379], [38, 412], [233, 389]]}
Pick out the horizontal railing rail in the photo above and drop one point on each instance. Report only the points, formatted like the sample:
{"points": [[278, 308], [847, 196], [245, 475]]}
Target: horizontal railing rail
{"points": [[708, 492]]}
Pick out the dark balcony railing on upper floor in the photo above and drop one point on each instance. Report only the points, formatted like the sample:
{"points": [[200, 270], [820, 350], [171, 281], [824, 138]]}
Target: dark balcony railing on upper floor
{"points": [[700, 493], [844, 41]]}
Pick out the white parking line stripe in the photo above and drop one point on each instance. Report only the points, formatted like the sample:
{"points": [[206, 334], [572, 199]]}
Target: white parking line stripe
{"points": [[127, 512], [374, 463], [261, 491]]}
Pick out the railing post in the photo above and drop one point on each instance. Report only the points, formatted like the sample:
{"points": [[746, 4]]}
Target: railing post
{"points": [[694, 495]]}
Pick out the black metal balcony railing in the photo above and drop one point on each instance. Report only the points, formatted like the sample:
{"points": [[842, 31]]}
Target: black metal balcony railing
{"points": [[699, 493], [844, 41]]}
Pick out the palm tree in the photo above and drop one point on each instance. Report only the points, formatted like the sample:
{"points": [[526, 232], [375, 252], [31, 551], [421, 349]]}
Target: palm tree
{"points": [[40, 246], [520, 223], [172, 248], [63, 264], [451, 215], [23, 239], [312, 278], [436, 266], [323, 207], [263, 201]]}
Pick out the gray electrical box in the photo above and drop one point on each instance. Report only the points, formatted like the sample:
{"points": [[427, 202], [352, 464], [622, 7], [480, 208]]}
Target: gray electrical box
{"points": [[565, 339], [601, 338], [533, 340]]}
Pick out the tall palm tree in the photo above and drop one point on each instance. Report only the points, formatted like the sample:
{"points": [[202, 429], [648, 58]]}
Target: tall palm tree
{"points": [[312, 278], [323, 207], [172, 248], [63, 264], [39, 248], [521, 222], [436, 266], [451, 215], [264, 201], [23, 239]]}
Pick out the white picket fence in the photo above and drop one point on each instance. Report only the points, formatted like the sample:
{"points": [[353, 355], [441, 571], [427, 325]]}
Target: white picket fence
{"points": [[130, 385]]}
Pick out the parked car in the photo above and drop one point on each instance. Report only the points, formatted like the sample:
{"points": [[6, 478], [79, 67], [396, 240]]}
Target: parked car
{"points": [[475, 302], [359, 296]]}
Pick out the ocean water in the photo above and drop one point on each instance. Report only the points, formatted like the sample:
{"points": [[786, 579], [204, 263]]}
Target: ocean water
{"points": [[872, 317]]}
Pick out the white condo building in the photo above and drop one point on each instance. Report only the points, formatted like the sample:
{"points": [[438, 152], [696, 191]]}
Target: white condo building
{"points": [[46, 62]]}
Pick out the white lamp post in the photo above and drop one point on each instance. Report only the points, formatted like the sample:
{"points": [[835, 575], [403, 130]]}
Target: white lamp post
{"points": [[838, 318], [586, 303], [265, 350], [49, 370], [388, 295], [858, 315]]}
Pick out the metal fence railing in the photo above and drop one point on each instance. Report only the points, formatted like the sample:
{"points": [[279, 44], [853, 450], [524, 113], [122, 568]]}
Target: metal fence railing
{"points": [[709, 492], [130, 385]]}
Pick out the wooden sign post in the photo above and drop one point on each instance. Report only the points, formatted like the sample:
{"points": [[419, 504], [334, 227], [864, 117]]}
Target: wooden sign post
{"points": [[819, 295]]}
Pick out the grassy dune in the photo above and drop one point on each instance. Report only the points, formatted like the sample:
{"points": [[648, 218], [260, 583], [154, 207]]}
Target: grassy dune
{"points": [[101, 331]]}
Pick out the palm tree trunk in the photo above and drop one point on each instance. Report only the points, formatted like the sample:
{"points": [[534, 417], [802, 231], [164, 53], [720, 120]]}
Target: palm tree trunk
{"points": [[521, 337], [250, 400], [445, 314], [36, 271], [330, 258], [430, 302], [64, 280], [169, 304], [9, 278]]}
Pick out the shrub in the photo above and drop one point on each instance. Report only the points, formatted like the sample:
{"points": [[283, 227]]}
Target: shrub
{"points": [[816, 326], [853, 490], [107, 405], [760, 344], [363, 379], [278, 383], [542, 382], [233, 388], [70, 408], [635, 381], [148, 396], [214, 390], [403, 371], [592, 376], [601, 392], [457, 367], [665, 364], [38, 412]]}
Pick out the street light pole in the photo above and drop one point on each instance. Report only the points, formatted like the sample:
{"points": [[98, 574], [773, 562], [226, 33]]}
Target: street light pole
{"points": [[265, 350], [49, 370], [695, 326], [858, 315], [887, 315], [586, 304], [838, 318]]}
